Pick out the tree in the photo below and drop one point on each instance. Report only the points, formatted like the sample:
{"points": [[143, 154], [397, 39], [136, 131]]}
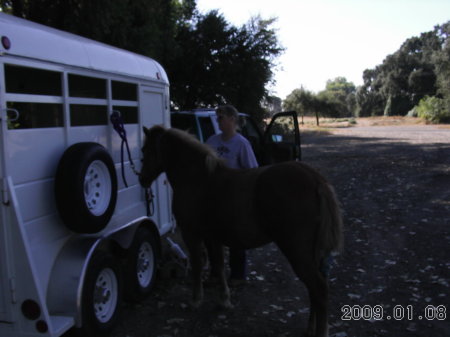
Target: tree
{"points": [[306, 103], [272, 105], [208, 60], [217, 63], [196, 67], [369, 101], [337, 100], [442, 65], [339, 95], [254, 60], [143, 26], [404, 78]]}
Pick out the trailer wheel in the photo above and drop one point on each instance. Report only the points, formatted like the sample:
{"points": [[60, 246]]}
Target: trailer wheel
{"points": [[86, 187], [102, 295], [141, 264]]}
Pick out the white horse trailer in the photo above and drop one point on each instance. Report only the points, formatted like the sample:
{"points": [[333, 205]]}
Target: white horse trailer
{"points": [[74, 235]]}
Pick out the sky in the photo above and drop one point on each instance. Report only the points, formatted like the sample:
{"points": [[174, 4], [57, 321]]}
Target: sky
{"points": [[325, 39]]}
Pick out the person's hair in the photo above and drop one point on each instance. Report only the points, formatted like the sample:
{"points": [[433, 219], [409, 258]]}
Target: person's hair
{"points": [[228, 110]]}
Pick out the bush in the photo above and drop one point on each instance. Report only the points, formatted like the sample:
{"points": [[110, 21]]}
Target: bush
{"points": [[433, 110], [413, 112]]}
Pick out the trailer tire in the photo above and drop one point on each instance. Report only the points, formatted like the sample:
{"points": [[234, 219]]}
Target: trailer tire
{"points": [[141, 265], [102, 295], [86, 187]]}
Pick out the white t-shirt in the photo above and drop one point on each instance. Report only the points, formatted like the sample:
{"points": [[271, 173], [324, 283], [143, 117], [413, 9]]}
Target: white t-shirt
{"points": [[237, 151]]}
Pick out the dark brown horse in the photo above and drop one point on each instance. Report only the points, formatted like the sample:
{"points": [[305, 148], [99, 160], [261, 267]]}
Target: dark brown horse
{"points": [[289, 204]]}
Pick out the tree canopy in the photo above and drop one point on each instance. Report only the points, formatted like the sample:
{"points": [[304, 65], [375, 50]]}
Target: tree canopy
{"points": [[225, 64], [419, 70], [337, 100], [208, 60]]}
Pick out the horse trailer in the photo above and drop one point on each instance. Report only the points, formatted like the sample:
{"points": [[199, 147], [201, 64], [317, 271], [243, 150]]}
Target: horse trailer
{"points": [[78, 233]]}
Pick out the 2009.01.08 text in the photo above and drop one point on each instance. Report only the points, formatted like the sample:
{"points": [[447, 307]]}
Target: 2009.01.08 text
{"points": [[398, 312]]}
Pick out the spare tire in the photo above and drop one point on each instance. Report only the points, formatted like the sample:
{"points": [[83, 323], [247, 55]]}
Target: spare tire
{"points": [[86, 187]]}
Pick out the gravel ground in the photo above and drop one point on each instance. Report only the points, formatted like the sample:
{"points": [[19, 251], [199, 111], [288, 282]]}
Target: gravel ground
{"points": [[394, 186]]}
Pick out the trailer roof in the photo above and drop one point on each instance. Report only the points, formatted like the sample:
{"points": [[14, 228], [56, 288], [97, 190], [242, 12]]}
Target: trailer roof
{"points": [[35, 41]]}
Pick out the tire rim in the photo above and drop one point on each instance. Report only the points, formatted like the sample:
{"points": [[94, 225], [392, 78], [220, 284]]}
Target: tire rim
{"points": [[145, 264], [97, 187], [105, 295]]}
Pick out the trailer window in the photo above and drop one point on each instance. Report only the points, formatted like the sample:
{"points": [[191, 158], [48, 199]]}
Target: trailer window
{"points": [[36, 115], [84, 115], [26, 80], [88, 87], [129, 113], [124, 91]]}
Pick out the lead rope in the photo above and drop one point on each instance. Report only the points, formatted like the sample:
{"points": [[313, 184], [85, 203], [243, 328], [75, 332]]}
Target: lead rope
{"points": [[117, 123]]}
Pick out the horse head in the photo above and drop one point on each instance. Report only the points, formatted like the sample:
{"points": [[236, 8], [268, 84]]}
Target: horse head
{"points": [[152, 160]]}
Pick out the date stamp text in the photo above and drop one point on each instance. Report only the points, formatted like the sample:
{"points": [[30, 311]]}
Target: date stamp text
{"points": [[398, 313]]}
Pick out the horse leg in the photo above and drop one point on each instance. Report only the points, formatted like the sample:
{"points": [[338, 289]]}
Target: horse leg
{"points": [[216, 258], [194, 246], [308, 272]]}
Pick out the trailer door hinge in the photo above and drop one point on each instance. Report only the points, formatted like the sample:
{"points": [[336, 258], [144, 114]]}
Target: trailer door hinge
{"points": [[12, 286], [5, 199]]}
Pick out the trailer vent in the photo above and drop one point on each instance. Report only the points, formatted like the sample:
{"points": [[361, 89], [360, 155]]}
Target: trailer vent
{"points": [[31, 310], [6, 43], [42, 326]]}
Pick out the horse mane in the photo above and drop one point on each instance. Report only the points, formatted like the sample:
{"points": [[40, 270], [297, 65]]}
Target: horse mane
{"points": [[190, 148]]}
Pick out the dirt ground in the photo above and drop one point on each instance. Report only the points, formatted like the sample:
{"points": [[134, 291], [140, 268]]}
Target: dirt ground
{"points": [[393, 180]]}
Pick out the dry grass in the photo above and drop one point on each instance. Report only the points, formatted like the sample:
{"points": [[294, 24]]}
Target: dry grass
{"points": [[325, 124]]}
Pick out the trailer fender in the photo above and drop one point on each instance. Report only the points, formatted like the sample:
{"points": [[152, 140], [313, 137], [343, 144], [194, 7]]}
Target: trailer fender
{"points": [[67, 277], [124, 236], [66, 283]]}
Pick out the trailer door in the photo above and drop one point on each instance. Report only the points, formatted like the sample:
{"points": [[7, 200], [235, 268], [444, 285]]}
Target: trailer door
{"points": [[153, 111], [281, 140], [3, 275]]}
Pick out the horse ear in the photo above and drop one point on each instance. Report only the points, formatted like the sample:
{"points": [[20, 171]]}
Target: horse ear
{"points": [[146, 131]]}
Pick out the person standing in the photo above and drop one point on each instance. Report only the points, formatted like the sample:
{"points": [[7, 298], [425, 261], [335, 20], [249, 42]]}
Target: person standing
{"points": [[238, 153]]}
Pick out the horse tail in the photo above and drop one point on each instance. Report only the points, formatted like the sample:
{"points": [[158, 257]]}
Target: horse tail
{"points": [[330, 228]]}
